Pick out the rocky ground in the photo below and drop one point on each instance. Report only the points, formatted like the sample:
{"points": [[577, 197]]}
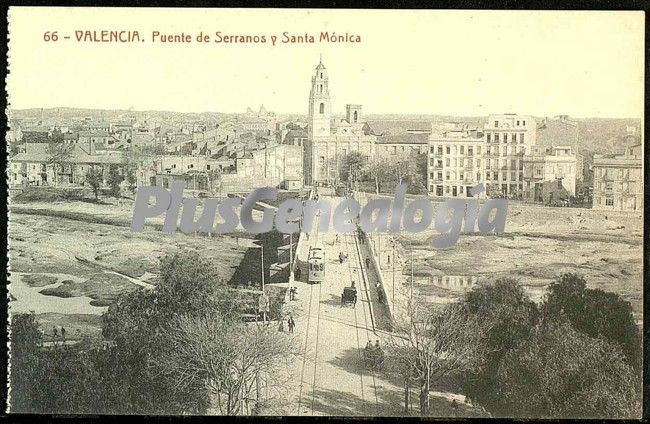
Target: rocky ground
{"points": [[79, 251]]}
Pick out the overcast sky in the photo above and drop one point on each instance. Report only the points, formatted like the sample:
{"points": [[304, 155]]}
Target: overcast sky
{"points": [[584, 64]]}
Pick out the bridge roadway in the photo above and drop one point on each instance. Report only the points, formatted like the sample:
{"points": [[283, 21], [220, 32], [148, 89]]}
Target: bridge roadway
{"points": [[332, 377]]}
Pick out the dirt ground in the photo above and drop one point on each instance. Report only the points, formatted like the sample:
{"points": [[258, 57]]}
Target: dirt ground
{"points": [[75, 258], [538, 245]]}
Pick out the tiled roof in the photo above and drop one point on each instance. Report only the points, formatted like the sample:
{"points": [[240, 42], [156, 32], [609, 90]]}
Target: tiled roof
{"points": [[398, 126], [37, 152], [98, 133], [403, 139], [35, 129]]}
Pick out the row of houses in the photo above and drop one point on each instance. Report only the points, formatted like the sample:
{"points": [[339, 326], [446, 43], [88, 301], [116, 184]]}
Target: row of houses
{"points": [[504, 155], [278, 165], [36, 167]]}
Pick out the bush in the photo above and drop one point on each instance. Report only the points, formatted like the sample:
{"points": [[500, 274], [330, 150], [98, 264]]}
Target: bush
{"points": [[562, 373], [596, 313], [50, 194]]}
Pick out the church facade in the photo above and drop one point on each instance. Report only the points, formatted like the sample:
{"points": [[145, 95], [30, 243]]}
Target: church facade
{"points": [[330, 139]]}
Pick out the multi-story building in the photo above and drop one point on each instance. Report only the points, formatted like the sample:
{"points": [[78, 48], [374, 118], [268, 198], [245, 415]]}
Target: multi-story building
{"points": [[618, 180], [100, 138], [461, 157], [275, 166], [549, 173], [455, 160], [507, 138], [330, 140], [401, 146]]}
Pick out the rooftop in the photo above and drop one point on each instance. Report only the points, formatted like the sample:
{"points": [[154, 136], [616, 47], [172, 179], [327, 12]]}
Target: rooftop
{"points": [[403, 139], [38, 152]]}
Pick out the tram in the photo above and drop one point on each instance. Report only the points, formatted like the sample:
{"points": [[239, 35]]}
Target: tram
{"points": [[316, 262]]}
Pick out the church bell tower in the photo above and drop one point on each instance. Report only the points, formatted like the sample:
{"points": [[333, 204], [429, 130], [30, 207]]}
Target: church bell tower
{"points": [[320, 109]]}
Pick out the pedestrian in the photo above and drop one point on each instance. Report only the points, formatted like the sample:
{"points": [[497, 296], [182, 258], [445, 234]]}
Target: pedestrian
{"points": [[377, 344], [388, 259], [341, 257], [297, 273], [63, 333], [55, 332], [291, 323], [367, 262], [454, 407]]}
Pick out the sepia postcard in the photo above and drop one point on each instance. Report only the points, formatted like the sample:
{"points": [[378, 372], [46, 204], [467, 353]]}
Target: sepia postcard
{"points": [[325, 212]]}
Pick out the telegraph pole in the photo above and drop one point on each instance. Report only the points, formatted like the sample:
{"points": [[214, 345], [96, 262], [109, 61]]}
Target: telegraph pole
{"points": [[393, 277], [262, 259], [379, 250], [411, 273]]}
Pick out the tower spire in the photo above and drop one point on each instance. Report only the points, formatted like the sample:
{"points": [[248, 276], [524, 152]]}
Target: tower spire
{"points": [[321, 59]]}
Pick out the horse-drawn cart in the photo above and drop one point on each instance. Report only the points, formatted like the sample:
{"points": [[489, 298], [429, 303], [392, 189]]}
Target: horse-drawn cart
{"points": [[373, 357], [349, 296]]}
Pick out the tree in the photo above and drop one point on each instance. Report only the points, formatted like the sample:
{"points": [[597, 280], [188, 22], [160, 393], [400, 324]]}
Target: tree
{"points": [[57, 154], [408, 171], [352, 166], [513, 316], [59, 379], [66, 382], [596, 313], [228, 357], [141, 324], [114, 180], [24, 342], [562, 373], [437, 343], [134, 160], [214, 180], [378, 170], [95, 178]]}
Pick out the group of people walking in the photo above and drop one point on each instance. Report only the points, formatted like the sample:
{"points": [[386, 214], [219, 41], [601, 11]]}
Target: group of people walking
{"points": [[55, 333]]}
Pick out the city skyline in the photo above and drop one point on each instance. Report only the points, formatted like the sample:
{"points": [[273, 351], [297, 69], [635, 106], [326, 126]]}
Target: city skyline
{"points": [[475, 74]]}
